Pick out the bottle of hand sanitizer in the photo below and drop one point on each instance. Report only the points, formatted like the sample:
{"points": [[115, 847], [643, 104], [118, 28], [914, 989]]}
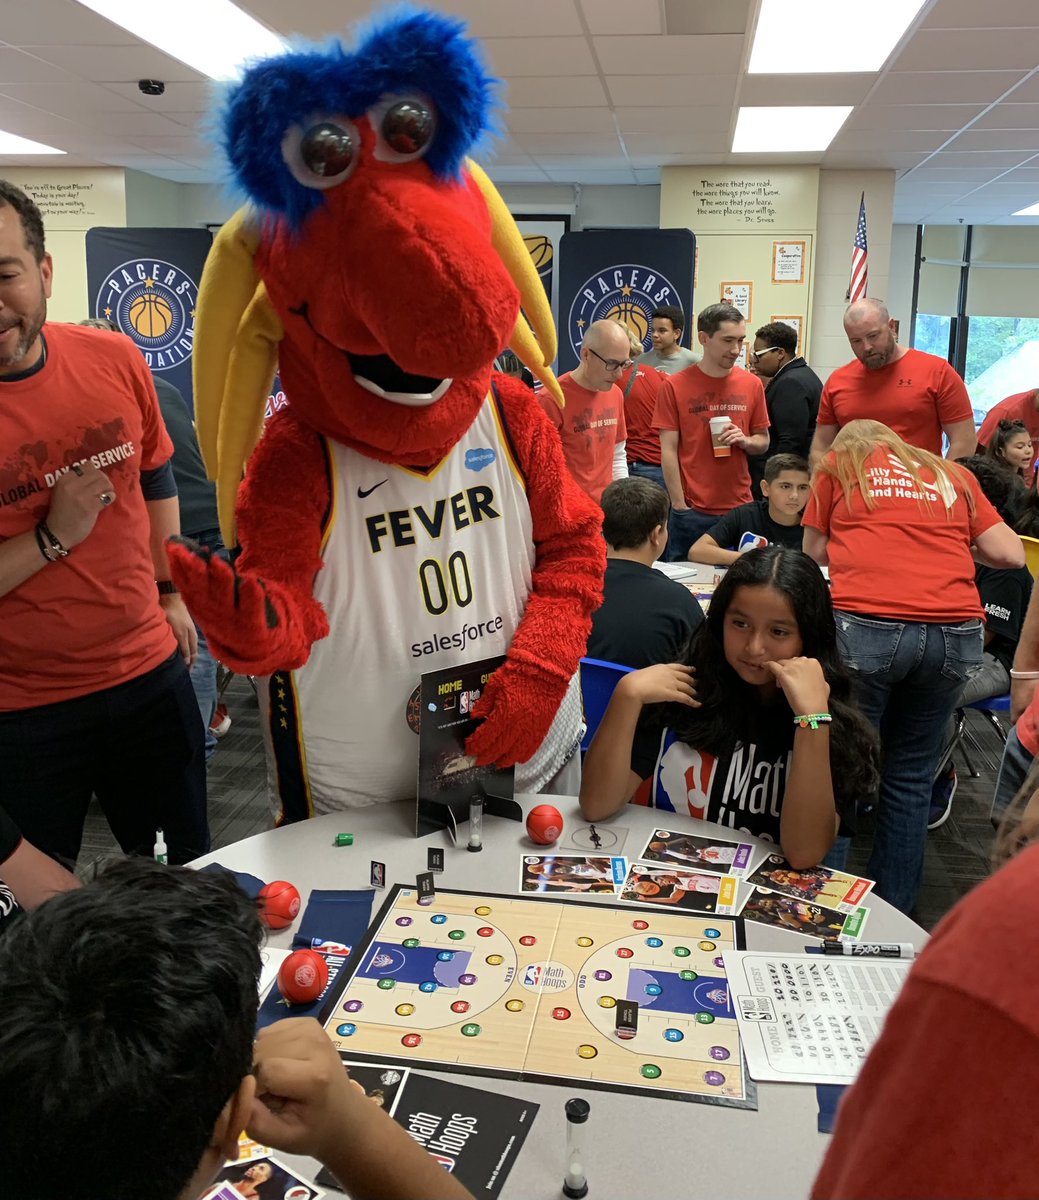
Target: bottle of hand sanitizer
{"points": [[159, 851]]}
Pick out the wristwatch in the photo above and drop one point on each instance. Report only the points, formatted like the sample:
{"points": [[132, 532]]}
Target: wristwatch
{"points": [[166, 587]]}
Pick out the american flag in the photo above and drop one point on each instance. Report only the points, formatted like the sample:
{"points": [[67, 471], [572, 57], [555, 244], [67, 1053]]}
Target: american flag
{"points": [[859, 257]]}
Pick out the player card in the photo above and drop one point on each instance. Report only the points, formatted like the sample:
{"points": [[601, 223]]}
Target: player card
{"points": [[378, 874], [435, 858], [689, 891], [828, 888], [382, 1082], [802, 916], [696, 853], [261, 1177], [548, 873], [425, 887]]}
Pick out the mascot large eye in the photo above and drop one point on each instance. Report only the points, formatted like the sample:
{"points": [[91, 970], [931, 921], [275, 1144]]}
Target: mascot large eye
{"points": [[322, 152], [404, 128]]}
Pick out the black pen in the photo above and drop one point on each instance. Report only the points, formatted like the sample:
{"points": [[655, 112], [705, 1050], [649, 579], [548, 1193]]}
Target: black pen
{"points": [[871, 949]]}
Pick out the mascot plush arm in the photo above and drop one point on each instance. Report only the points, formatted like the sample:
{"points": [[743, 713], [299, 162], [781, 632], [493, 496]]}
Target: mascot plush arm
{"points": [[259, 615], [523, 695]]}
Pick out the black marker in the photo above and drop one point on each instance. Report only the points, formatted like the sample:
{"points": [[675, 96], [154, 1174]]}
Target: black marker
{"points": [[871, 949], [575, 1185]]}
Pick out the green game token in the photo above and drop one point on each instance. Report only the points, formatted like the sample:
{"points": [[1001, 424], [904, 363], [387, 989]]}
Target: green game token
{"points": [[411, 943], [344, 839], [386, 984], [688, 976], [650, 1071], [456, 935], [470, 1030], [682, 952], [704, 1018]]}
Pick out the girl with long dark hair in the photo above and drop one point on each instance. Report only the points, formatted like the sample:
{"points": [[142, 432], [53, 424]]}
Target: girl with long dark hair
{"points": [[754, 728]]}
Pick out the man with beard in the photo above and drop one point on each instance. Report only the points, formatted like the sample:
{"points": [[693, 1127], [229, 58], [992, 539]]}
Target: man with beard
{"points": [[917, 395], [95, 642]]}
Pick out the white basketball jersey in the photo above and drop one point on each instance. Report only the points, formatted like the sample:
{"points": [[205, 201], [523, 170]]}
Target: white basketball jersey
{"points": [[422, 570]]}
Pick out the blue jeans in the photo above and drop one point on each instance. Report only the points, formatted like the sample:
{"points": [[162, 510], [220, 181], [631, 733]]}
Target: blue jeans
{"points": [[684, 527], [1013, 769], [203, 673], [907, 678], [646, 470]]}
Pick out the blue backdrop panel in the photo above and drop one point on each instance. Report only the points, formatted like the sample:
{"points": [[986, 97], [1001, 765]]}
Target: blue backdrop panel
{"points": [[622, 274], [146, 281]]}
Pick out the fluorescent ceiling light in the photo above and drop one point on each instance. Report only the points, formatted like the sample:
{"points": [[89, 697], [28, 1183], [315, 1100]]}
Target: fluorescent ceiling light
{"points": [[213, 36], [826, 37], [1031, 211], [787, 130], [11, 143]]}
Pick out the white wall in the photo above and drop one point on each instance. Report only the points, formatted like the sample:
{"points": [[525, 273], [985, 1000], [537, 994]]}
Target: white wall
{"points": [[900, 281], [839, 193]]}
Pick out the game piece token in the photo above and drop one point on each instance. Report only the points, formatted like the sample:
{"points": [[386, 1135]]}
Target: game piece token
{"points": [[627, 1019], [278, 904], [426, 888], [303, 976], [435, 858], [544, 824], [344, 839], [575, 1185], [378, 874]]}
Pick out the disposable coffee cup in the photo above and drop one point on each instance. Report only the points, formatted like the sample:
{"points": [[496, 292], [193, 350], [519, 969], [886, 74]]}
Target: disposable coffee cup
{"points": [[721, 450]]}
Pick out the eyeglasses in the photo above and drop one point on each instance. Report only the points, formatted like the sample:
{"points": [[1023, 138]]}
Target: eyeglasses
{"points": [[612, 364], [756, 354]]}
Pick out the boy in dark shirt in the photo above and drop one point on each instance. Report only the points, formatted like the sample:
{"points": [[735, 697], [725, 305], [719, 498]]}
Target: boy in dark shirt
{"points": [[645, 617], [774, 520]]}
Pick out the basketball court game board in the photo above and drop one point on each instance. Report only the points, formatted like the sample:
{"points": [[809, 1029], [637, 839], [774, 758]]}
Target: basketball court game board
{"points": [[529, 988]]}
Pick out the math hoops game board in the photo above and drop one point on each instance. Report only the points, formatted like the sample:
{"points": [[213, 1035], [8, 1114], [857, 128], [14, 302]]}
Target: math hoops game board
{"points": [[529, 989]]}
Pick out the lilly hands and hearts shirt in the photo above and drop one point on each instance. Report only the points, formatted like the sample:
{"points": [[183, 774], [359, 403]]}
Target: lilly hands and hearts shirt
{"points": [[92, 620]]}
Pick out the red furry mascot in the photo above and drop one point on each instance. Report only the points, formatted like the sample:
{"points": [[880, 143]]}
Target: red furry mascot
{"points": [[409, 510]]}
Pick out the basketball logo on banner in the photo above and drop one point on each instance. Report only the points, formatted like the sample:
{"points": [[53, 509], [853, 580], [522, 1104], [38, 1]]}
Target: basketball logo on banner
{"points": [[627, 293], [153, 303]]}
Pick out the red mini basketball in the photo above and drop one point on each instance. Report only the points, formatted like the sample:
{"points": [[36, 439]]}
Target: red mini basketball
{"points": [[303, 976], [279, 904], [544, 824]]}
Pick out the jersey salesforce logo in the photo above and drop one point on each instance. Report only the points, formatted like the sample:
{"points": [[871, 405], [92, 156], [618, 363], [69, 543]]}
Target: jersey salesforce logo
{"points": [[627, 293], [154, 303]]}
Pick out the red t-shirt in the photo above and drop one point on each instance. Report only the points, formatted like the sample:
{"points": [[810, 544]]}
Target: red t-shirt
{"points": [[1019, 407], [590, 426], [92, 620], [686, 402], [907, 557], [941, 1107], [639, 405], [916, 395]]}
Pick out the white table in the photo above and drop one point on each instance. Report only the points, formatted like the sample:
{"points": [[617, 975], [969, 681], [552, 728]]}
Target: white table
{"points": [[639, 1146]]}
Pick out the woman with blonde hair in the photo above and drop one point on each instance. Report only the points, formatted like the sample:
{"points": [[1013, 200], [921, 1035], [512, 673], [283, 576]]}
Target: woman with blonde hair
{"points": [[896, 525]]}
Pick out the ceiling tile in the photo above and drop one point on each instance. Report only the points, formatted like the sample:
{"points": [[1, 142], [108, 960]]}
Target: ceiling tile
{"points": [[549, 120], [1022, 140], [970, 50], [949, 117], [178, 97], [789, 90], [619, 175], [895, 140], [519, 56], [667, 143], [676, 55], [996, 160], [536, 91], [72, 98], [944, 87], [621, 17], [569, 143], [58, 23], [969, 14], [652, 91], [1009, 116], [675, 120], [107, 64], [487, 19]]}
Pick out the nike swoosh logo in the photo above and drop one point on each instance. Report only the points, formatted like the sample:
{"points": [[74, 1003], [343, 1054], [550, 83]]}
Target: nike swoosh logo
{"points": [[363, 492]]}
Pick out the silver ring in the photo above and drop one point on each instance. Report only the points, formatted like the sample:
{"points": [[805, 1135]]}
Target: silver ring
{"points": [[106, 498]]}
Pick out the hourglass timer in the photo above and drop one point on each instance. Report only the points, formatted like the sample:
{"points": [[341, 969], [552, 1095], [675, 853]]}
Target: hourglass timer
{"points": [[575, 1184]]}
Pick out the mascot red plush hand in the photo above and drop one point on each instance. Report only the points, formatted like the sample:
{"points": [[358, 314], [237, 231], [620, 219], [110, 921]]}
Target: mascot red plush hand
{"points": [[409, 510]]}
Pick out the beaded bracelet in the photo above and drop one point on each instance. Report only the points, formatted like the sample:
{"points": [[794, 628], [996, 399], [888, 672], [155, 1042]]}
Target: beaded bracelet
{"points": [[813, 720]]}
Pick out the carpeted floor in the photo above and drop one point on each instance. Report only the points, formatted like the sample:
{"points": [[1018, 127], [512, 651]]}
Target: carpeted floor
{"points": [[957, 853]]}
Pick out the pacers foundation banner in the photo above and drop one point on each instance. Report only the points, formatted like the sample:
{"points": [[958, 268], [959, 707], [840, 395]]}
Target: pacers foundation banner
{"points": [[623, 275], [146, 282]]}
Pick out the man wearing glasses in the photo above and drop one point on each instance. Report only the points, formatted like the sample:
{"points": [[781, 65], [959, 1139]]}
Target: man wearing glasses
{"points": [[792, 391], [591, 426]]}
